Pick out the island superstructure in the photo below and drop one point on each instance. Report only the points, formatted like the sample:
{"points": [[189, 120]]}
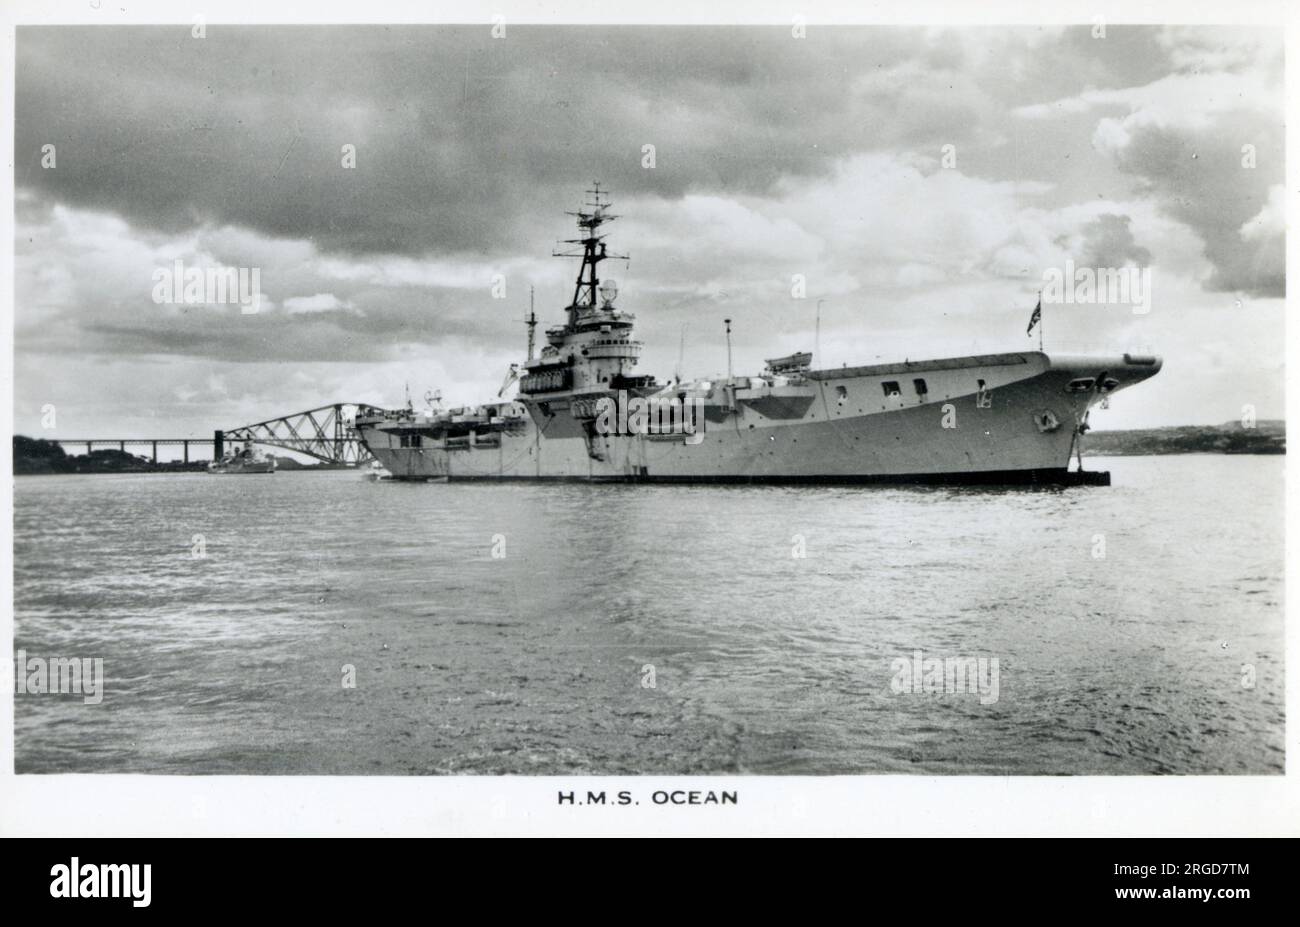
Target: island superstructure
{"points": [[995, 418]]}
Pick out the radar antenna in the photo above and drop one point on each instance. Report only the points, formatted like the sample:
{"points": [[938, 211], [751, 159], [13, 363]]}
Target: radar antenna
{"points": [[591, 217]]}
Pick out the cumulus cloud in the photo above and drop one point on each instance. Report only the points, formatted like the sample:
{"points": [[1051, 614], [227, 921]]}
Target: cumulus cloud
{"points": [[1270, 222], [1108, 242], [320, 302], [918, 180], [1206, 142]]}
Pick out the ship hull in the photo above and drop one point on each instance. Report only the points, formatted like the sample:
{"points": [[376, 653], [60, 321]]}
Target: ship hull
{"points": [[992, 420]]}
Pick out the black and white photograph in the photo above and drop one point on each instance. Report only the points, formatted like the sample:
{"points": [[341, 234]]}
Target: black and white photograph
{"points": [[687, 402]]}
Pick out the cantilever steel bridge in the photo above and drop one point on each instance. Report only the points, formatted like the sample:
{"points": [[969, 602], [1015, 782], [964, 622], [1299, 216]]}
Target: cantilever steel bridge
{"points": [[324, 433]]}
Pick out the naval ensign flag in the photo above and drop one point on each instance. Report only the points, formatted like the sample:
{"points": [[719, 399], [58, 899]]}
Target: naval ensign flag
{"points": [[1035, 318]]}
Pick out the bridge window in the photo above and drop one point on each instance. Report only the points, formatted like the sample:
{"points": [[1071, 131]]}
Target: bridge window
{"points": [[410, 441], [891, 388]]}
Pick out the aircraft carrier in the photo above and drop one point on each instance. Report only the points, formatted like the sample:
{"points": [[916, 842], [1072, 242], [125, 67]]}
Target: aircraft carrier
{"points": [[581, 413]]}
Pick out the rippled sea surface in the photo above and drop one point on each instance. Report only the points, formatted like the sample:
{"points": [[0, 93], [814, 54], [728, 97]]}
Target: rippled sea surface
{"points": [[1137, 629]]}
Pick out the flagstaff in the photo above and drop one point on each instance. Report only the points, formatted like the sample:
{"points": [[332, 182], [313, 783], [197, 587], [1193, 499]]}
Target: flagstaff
{"points": [[1036, 319]]}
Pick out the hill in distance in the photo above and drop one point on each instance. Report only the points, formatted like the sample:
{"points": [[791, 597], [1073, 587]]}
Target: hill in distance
{"points": [[34, 456], [1266, 437]]}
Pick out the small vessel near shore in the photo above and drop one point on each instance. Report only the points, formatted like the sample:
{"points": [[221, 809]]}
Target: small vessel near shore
{"points": [[581, 413], [249, 460]]}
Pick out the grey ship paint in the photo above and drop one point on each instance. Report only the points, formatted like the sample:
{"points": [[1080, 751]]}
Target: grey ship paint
{"points": [[998, 418]]}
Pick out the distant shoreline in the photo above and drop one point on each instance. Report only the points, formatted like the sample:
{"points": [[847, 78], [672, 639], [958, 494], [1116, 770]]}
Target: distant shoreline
{"points": [[1265, 437], [37, 457]]}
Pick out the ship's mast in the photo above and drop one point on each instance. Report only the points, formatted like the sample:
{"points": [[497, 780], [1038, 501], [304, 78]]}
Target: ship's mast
{"points": [[531, 323], [728, 321], [593, 251]]}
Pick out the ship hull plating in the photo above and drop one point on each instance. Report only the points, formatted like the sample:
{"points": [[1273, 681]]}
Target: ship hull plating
{"points": [[1000, 419]]}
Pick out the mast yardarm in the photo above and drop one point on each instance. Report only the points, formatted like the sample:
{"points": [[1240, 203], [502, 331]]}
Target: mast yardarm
{"points": [[594, 214]]}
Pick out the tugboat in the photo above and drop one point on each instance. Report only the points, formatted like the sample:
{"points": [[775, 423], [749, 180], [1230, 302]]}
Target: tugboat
{"points": [[249, 460], [581, 412]]}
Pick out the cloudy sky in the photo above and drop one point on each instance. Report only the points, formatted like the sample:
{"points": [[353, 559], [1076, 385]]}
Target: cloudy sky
{"points": [[774, 156]]}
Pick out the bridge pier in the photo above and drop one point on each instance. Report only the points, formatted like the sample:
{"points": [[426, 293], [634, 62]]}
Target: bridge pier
{"points": [[323, 433]]}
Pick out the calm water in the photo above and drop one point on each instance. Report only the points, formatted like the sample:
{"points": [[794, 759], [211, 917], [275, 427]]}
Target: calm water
{"points": [[763, 662]]}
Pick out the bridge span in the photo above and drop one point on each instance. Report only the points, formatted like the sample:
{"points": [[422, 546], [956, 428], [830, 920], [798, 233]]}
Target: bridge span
{"points": [[324, 433]]}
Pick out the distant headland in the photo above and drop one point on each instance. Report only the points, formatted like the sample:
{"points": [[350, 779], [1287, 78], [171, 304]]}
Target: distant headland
{"points": [[1265, 437], [36, 456]]}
